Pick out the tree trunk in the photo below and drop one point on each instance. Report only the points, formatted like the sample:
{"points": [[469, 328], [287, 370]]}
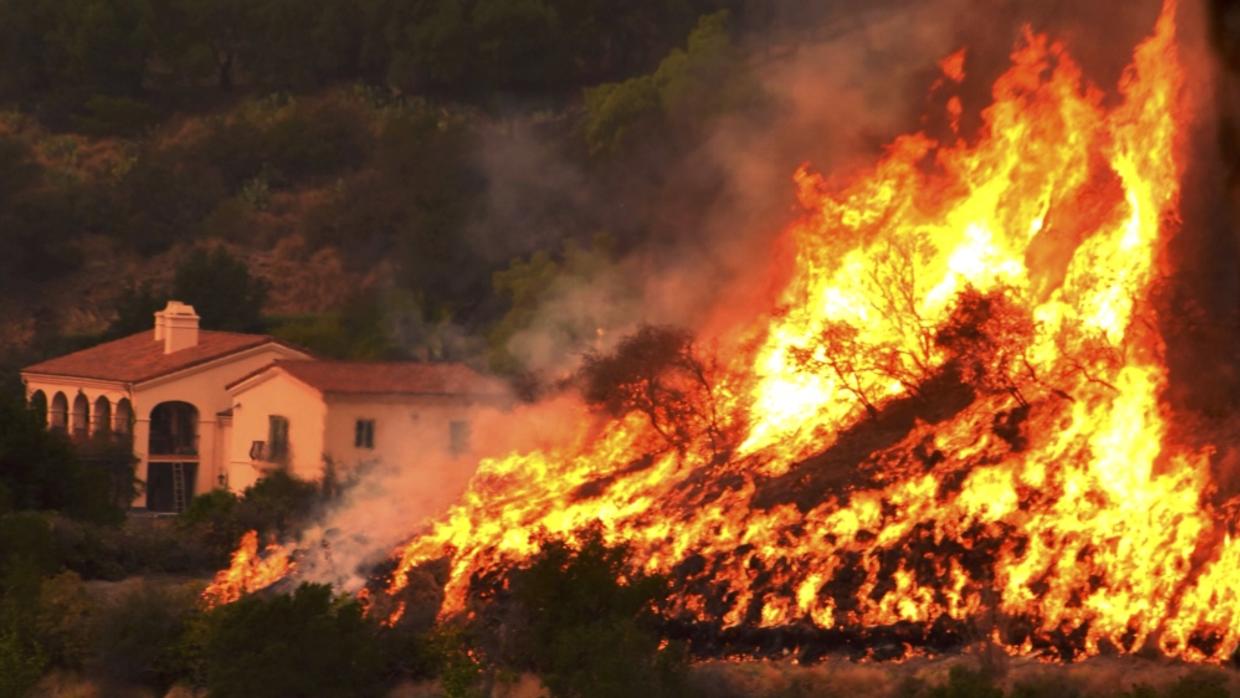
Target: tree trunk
{"points": [[225, 72]]}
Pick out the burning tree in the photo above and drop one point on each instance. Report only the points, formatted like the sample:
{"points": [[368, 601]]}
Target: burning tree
{"points": [[656, 371]]}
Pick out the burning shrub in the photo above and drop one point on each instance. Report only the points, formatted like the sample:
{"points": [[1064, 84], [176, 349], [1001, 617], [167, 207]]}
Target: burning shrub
{"points": [[580, 618], [307, 643], [987, 335], [657, 372]]}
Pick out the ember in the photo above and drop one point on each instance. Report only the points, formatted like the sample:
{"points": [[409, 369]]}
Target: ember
{"points": [[951, 426]]}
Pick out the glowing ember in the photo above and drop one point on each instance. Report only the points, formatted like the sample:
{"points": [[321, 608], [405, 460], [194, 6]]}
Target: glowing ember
{"points": [[953, 415], [248, 572]]}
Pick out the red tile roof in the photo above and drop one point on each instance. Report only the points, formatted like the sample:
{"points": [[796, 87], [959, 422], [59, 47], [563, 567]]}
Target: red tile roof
{"points": [[390, 378], [140, 357]]}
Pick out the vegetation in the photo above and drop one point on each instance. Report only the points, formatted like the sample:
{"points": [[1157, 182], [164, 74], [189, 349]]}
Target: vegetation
{"points": [[305, 643], [216, 129], [41, 470], [657, 371]]}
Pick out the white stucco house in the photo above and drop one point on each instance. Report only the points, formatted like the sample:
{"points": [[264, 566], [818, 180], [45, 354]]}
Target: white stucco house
{"points": [[307, 415], [208, 409]]}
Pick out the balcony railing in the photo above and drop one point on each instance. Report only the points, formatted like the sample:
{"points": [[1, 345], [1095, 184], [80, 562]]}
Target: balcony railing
{"points": [[173, 445]]}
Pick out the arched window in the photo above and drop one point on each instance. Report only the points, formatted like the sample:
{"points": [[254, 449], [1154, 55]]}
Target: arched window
{"points": [[102, 423], [122, 421], [81, 417], [38, 405], [60, 412], [174, 429]]}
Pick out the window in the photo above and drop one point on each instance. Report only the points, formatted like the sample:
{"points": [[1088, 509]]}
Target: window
{"points": [[364, 433], [458, 433], [277, 437]]}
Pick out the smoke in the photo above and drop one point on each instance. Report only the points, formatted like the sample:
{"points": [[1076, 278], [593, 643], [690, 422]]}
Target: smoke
{"points": [[697, 231], [386, 504]]}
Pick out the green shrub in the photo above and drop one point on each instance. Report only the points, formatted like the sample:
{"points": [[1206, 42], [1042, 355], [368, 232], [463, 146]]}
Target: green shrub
{"points": [[64, 620], [22, 657], [962, 682], [572, 621], [104, 115], [460, 673], [315, 140], [27, 541], [22, 661], [307, 643], [1202, 683], [41, 470], [138, 637], [278, 504]]}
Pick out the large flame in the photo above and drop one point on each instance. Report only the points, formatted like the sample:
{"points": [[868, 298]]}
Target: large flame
{"points": [[953, 414]]}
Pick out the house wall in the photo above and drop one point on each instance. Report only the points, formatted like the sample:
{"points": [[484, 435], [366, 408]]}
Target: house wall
{"points": [[412, 434], [276, 394], [202, 387]]}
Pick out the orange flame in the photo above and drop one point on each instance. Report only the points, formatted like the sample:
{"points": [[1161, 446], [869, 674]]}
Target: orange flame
{"points": [[954, 412], [248, 572]]}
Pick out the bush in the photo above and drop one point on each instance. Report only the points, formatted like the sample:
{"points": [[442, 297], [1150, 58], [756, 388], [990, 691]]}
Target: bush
{"points": [[41, 470], [104, 115], [64, 620], [21, 661], [315, 141], [569, 618], [139, 636], [307, 643], [278, 505], [962, 682]]}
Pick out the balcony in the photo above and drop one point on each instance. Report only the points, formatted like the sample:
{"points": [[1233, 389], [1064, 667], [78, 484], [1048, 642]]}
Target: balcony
{"points": [[166, 445], [174, 432]]}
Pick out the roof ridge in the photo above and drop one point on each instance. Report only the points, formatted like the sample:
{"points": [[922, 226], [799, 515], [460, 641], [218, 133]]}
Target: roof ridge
{"points": [[137, 357]]}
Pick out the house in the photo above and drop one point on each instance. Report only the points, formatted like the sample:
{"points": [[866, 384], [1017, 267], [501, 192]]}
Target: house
{"points": [[208, 409], [308, 415]]}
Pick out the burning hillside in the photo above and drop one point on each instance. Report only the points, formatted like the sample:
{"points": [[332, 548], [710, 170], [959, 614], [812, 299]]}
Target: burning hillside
{"points": [[949, 424]]}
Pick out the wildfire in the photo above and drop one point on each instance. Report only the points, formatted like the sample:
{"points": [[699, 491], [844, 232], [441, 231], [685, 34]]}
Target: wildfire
{"points": [[248, 571], [953, 416]]}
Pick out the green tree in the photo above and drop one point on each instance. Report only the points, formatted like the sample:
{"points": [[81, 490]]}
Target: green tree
{"points": [[306, 42], [39, 217], [134, 309], [518, 43], [428, 42], [40, 469], [221, 289], [207, 37], [410, 208], [529, 284], [77, 47], [690, 87]]}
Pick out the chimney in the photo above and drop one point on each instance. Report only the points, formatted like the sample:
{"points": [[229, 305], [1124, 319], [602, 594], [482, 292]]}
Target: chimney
{"points": [[177, 326]]}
